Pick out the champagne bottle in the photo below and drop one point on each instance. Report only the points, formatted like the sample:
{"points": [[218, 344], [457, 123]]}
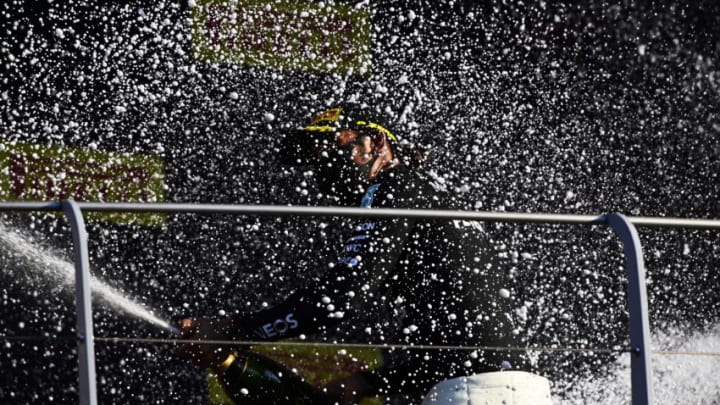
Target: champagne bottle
{"points": [[250, 378]]}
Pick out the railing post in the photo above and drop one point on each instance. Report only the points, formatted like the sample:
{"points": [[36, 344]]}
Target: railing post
{"points": [[86, 346], [642, 392]]}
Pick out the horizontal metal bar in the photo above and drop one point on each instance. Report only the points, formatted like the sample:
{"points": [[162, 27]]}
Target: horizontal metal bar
{"points": [[30, 206], [666, 222], [280, 210]]}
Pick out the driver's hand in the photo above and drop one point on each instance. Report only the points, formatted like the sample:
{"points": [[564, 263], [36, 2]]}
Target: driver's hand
{"points": [[349, 390], [197, 331]]}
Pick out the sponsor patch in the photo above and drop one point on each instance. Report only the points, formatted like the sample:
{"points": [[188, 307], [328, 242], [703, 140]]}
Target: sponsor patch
{"points": [[283, 34], [51, 173], [278, 327], [332, 114]]}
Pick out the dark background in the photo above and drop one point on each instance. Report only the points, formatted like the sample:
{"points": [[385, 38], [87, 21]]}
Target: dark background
{"points": [[534, 107]]}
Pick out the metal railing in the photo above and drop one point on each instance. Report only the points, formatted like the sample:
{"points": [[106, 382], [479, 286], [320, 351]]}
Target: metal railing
{"points": [[624, 227]]}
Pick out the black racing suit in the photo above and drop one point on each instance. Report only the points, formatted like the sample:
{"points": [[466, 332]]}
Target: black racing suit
{"points": [[403, 281]]}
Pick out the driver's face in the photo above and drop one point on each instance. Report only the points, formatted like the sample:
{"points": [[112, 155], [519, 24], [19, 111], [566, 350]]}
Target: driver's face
{"points": [[361, 151]]}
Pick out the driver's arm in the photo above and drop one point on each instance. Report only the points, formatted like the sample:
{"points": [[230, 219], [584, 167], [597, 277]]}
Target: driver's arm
{"points": [[366, 258]]}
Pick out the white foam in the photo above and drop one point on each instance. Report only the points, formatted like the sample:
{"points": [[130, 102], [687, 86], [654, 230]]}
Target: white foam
{"points": [[684, 367], [58, 269]]}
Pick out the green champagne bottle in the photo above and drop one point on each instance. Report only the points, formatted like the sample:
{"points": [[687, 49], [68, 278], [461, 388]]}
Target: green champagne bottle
{"points": [[253, 379]]}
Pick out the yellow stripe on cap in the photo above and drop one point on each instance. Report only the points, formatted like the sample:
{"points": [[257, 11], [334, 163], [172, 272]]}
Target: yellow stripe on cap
{"points": [[319, 128], [379, 128]]}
